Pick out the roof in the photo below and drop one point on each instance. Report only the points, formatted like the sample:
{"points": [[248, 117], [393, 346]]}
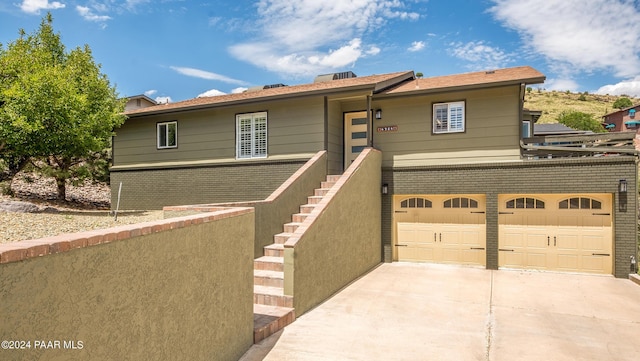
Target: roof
{"points": [[555, 129], [622, 110], [481, 79], [374, 83]]}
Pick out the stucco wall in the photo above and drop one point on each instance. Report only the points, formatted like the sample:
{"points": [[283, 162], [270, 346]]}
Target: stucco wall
{"points": [[276, 210], [181, 291], [342, 239], [568, 175]]}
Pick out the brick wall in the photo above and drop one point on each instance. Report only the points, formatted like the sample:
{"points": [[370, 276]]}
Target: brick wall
{"points": [[569, 175], [156, 188]]}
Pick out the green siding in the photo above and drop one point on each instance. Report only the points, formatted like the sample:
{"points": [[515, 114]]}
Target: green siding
{"points": [[491, 125], [294, 127]]}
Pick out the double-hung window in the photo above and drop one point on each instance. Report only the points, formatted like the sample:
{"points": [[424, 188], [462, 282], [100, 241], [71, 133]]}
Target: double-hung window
{"points": [[167, 135], [448, 117], [251, 135]]}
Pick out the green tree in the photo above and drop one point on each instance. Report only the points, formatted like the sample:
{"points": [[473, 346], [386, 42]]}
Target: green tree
{"points": [[57, 108], [622, 103], [580, 121]]}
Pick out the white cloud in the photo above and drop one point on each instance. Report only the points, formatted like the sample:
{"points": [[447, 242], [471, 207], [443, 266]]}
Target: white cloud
{"points": [[34, 6], [480, 55], [89, 15], [589, 36], [629, 87], [561, 84], [299, 38], [150, 92], [416, 46], [211, 93], [163, 100], [239, 90], [203, 74]]}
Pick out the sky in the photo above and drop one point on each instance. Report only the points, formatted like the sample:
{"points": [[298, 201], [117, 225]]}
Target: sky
{"points": [[173, 50]]}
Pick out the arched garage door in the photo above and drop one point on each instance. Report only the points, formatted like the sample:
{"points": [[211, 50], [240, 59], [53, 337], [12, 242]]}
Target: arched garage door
{"points": [[440, 229], [569, 232]]}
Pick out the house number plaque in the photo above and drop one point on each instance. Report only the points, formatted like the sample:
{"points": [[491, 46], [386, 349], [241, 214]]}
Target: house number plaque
{"points": [[388, 129]]}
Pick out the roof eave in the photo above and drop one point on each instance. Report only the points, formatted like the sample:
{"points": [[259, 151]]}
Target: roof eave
{"points": [[362, 87], [534, 80]]}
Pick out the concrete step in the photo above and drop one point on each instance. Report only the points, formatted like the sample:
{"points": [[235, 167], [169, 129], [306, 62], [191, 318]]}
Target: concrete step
{"points": [[327, 184], [281, 238], [299, 217], [268, 320], [314, 199], [321, 191], [268, 263], [307, 208], [291, 226], [274, 250], [268, 278], [271, 296], [333, 177]]}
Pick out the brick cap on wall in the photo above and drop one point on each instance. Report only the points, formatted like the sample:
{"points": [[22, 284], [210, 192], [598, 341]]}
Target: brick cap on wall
{"points": [[23, 250]]}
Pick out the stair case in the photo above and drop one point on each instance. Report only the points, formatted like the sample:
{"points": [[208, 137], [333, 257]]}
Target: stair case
{"points": [[272, 309]]}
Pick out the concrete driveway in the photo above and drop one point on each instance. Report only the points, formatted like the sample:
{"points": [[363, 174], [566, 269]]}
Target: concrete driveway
{"points": [[408, 311]]}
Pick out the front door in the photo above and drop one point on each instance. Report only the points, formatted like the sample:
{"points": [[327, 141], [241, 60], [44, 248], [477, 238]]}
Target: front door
{"points": [[355, 135]]}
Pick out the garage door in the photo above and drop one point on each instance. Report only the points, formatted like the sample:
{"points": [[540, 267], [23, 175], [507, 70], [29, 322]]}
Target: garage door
{"points": [[440, 229], [570, 232]]}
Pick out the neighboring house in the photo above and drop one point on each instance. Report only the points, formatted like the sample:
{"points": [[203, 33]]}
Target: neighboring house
{"points": [[139, 101], [457, 188], [623, 119], [556, 129], [627, 119]]}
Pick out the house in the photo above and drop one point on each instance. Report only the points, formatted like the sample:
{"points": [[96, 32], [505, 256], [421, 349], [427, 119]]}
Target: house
{"points": [[138, 101], [624, 120], [457, 184]]}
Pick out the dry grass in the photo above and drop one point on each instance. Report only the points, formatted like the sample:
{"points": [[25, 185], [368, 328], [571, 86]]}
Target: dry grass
{"points": [[553, 103]]}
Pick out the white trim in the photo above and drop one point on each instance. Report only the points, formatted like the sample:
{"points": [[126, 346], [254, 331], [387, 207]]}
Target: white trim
{"points": [[250, 129], [158, 132], [455, 114]]}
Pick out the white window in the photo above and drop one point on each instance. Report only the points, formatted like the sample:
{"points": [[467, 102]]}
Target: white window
{"points": [[251, 135], [526, 129], [167, 135], [448, 117]]}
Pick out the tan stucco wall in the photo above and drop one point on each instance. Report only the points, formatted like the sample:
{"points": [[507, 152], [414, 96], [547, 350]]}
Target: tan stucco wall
{"points": [[342, 242], [179, 294]]}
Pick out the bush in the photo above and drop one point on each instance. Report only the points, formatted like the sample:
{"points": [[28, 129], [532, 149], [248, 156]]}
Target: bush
{"points": [[622, 103], [580, 121]]}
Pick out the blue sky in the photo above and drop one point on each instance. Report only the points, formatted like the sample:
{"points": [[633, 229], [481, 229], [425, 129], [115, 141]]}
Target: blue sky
{"points": [[173, 50]]}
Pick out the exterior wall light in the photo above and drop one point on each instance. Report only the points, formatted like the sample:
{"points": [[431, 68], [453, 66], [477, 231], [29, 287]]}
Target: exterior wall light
{"points": [[378, 114], [622, 186], [385, 188]]}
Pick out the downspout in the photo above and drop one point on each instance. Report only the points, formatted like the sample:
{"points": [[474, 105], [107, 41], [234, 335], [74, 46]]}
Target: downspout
{"points": [[521, 116], [369, 121]]}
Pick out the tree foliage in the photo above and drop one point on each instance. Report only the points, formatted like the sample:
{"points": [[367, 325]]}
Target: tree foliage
{"points": [[56, 109], [622, 103], [580, 121]]}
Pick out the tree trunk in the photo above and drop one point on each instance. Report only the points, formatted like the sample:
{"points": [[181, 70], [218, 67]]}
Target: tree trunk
{"points": [[62, 188]]}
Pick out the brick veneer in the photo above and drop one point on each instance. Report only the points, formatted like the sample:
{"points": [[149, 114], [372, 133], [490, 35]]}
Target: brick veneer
{"points": [[567, 175], [23, 250], [240, 181]]}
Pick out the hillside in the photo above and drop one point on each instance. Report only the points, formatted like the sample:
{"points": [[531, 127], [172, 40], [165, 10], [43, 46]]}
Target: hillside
{"points": [[552, 103]]}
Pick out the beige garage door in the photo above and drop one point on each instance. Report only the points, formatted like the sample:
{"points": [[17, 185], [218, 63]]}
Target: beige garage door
{"points": [[440, 229], [569, 232]]}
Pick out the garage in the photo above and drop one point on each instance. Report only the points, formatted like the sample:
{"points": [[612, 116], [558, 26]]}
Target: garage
{"points": [[440, 229], [556, 232]]}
